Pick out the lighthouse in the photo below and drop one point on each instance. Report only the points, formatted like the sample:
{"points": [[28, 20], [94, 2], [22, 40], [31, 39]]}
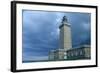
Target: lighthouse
{"points": [[65, 34]]}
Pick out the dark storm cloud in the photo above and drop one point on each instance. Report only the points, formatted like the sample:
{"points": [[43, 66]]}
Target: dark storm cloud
{"points": [[80, 24], [41, 32]]}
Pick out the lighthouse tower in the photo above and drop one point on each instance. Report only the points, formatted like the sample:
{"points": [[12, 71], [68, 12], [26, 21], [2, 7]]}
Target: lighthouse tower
{"points": [[65, 34]]}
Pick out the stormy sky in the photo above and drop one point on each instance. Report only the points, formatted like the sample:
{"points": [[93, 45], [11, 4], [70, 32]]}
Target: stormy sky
{"points": [[40, 32]]}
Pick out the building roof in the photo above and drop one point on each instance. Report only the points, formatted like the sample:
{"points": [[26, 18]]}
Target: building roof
{"points": [[61, 49], [81, 46]]}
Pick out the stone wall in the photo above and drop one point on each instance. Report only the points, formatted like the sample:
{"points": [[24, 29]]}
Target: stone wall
{"points": [[81, 52]]}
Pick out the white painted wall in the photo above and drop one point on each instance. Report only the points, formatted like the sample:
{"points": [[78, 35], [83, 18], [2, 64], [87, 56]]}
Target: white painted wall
{"points": [[5, 37]]}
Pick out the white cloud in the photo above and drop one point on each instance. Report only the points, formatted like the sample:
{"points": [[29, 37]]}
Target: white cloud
{"points": [[86, 26]]}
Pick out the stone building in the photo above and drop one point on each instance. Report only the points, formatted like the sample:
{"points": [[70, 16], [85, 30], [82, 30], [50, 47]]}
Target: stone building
{"points": [[66, 51]]}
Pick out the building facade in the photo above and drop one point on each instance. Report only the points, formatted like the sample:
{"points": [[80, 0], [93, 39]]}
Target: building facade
{"points": [[66, 52]]}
